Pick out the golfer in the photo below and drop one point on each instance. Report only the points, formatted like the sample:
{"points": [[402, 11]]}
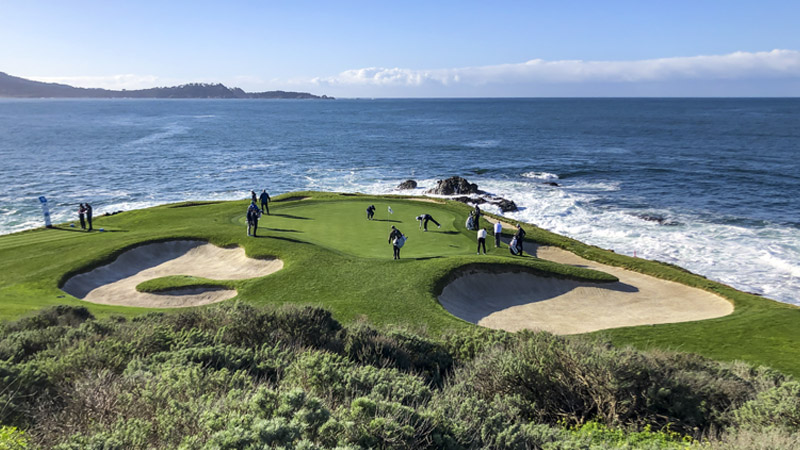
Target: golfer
{"points": [[482, 240], [498, 230], [252, 218], [397, 240], [519, 236], [424, 219]]}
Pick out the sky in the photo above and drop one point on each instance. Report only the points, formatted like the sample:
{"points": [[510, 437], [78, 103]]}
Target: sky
{"points": [[412, 48]]}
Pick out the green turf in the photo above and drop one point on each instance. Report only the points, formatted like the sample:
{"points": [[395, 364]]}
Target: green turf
{"points": [[335, 258], [173, 282]]}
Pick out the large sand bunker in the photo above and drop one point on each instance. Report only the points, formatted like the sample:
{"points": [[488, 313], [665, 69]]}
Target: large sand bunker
{"points": [[115, 283], [518, 300]]}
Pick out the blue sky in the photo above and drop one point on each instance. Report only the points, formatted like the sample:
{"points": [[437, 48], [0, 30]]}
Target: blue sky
{"points": [[412, 49]]}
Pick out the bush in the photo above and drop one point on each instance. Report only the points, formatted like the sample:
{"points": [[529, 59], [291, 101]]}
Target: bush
{"points": [[778, 407], [237, 376]]}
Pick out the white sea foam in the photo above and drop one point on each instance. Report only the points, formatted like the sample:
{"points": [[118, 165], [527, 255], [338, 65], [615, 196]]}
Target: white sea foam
{"points": [[546, 176], [734, 255], [489, 143]]}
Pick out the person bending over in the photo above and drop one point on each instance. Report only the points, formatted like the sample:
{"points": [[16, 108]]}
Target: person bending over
{"points": [[423, 221], [370, 212]]}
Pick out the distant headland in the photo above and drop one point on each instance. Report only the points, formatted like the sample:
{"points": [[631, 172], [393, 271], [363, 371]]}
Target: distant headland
{"points": [[16, 87]]}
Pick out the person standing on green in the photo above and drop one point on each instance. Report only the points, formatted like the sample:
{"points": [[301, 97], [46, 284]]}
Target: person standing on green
{"points": [[482, 240], [82, 215], [252, 219], [519, 236], [265, 201], [397, 240], [89, 216]]}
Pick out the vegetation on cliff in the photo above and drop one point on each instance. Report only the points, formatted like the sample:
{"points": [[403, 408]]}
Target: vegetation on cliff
{"points": [[235, 376]]}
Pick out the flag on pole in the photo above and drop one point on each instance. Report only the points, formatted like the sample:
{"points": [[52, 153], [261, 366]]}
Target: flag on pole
{"points": [[390, 210]]}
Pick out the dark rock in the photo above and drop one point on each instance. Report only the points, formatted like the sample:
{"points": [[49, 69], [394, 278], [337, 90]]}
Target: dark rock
{"points": [[455, 186], [552, 183], [408, 184], [474, 201], [505, 205], [658, 219]]}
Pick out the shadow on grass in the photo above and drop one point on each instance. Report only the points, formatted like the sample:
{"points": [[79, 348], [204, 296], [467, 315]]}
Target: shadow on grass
{"points": [[94, 230], [283, 230], [425, 258], [281, 238], [386, 220], [289, 216]]}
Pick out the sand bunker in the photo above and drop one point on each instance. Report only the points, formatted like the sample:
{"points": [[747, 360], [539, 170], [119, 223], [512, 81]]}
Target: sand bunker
{"points": [[515, 301], [115, 283]]}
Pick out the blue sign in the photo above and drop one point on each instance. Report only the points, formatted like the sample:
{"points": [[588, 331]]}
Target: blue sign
{"points": [[45, 211]]}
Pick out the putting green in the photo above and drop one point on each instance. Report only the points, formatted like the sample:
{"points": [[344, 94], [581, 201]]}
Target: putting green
{"points": [[343, 227]]}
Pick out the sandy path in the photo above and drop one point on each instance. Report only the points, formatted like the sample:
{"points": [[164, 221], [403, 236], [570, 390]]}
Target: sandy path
{"points": [[115, 283], [515, 301]]}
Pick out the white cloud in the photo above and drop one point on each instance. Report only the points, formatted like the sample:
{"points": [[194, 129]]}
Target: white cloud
{"points": [[733, 66]]}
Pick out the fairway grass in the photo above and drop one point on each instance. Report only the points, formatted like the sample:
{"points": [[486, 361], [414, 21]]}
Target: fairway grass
{"points": [[335, 258]]}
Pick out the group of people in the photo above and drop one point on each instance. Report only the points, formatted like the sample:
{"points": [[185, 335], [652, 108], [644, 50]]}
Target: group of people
{"points": [[254, 212], [398, 239], [516, 243], [85, 215]]}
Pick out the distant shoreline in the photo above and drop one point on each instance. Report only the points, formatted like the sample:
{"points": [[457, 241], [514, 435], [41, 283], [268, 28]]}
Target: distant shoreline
{"points": [[16, 87]]}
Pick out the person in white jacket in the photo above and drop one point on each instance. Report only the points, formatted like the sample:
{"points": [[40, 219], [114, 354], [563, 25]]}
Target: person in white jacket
{"points": [[498, 230], [482, 240]]}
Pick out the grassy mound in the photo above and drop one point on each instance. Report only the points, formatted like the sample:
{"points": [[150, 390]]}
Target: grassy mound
{"points": [[175, 282], [334, 257], [235, 376]]}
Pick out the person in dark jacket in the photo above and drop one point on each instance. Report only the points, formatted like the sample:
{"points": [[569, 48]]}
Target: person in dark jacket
{"points": [[264, 197], [88, 215], [370, 212], [81, 215], [252, 218], [520, 236], [253, 197], [423, 221], [394, 236]]}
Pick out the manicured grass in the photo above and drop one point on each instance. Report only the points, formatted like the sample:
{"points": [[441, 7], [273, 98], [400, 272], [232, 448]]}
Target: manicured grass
{"points": [[335, 258], [332, 256]]}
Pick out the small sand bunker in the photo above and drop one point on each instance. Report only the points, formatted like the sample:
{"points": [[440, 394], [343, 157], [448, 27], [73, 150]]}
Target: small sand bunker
{"points": [[516, 301], [115, 283]]}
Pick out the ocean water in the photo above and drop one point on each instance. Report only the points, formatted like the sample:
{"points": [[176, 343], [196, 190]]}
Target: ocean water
{"points": [[712, 185]]}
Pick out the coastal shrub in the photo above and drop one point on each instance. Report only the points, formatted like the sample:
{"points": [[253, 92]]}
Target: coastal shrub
{"points": [[59, 315], [778, 407], [12, 438], [554, 380], [239, 376]]}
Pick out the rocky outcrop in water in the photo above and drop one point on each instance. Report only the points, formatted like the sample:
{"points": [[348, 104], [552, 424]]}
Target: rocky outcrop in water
{"points": [[408, 184], [455, 186], [502, 203], [474, 196]]}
